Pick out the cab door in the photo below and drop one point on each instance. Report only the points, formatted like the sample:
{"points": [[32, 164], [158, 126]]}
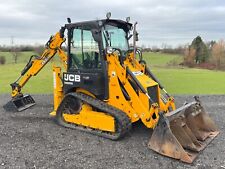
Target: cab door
{"points": [[86, 67]]}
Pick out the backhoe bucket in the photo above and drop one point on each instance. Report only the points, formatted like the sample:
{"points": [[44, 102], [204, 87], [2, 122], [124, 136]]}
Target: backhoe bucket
{"points": [[184, 132], [23, 102]]}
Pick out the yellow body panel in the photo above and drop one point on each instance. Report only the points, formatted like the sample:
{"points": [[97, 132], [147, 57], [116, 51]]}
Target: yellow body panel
{"points": [[138, 106], [92, 119], [86, 117], [57, 87]]}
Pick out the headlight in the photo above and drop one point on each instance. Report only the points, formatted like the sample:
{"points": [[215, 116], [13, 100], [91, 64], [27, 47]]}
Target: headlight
{"points": [[109, 50]]}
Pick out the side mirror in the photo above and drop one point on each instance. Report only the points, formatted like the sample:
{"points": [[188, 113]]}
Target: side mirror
{"points": [[68, 20], [136, 36], [109, 50]]}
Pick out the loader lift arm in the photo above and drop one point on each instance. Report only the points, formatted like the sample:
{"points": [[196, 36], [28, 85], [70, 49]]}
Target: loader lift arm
{"points": [[34, 66]]}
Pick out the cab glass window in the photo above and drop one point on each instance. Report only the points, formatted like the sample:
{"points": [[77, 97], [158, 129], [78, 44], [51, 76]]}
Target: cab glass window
{"points": [[84, 50]]}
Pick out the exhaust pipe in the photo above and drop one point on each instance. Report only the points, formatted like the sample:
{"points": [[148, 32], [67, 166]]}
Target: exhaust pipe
{"points": [[184, 132]]}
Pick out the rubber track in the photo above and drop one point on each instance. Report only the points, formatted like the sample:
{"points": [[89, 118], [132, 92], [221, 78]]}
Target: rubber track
{"points": [[123, 123]]}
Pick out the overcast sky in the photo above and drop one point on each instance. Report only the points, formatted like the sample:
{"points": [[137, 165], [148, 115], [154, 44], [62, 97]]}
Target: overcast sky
{"points": [[170, 21]]}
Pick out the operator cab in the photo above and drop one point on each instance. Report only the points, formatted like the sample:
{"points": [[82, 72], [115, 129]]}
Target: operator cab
{"points": [[88, 43]]}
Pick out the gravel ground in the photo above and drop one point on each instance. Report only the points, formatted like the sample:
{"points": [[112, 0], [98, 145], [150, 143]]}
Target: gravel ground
{"points": [[31, 139]]}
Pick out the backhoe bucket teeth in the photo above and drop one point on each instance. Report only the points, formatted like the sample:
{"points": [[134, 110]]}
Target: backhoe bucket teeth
{"points": [[183, 133], [22, 103]]}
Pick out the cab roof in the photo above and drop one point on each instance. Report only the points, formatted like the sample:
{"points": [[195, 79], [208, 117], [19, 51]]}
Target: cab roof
{"points": [[98, 24]]}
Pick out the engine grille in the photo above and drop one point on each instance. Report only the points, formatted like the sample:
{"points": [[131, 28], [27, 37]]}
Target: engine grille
{"points": [[153, 93]]}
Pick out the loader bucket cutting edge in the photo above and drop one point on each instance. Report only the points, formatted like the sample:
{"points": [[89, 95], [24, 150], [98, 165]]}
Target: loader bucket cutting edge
{"points": [[183, 133], [23, 102]]}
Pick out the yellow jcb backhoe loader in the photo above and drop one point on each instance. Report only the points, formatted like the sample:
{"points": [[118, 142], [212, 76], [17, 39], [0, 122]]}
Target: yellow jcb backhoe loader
{"points": [[106, 87]]}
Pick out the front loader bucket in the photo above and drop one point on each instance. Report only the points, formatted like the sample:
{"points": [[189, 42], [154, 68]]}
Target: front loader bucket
{"points": [[184, 132], [20, 103]]}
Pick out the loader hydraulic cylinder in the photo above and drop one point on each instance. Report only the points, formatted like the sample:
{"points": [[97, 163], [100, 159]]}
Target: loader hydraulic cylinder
{"points": [[148, 71], [138, 83]]}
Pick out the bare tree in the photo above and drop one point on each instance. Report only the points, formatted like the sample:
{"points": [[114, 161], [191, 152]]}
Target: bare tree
{"points": [[218, 53], [189, 56], [14, 51]]}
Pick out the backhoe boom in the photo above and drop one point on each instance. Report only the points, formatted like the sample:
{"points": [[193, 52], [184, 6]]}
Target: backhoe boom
{"points": [[34, 66]]}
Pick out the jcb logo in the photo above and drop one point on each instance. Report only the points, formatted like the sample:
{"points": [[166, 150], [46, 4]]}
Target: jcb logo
{"points": [[72, 78]]}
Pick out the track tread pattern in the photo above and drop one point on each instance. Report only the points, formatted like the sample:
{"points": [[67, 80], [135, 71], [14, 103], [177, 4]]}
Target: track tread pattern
{"points": [[123, 122]]}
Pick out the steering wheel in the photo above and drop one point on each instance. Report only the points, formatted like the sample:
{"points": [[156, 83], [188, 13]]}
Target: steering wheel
{"points": [[138, 51], [88, 62], [120, 54]]}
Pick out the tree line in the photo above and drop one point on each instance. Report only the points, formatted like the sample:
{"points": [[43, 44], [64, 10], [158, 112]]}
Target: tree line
{"points": [[197, 54], [209, 55], [15, 51]]}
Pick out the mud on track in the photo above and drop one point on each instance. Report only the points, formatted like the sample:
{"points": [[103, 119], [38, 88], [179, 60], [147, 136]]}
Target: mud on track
{"points": [[31, 139]]}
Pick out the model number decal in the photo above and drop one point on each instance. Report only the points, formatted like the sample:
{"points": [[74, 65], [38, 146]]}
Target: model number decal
{"points": [[137, 73], [71, 78]]}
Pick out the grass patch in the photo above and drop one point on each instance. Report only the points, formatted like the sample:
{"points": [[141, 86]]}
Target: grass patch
{"points": [[177, 80], [161, 59], [183, 80], [191, 81], [22, 57], [42, 83]]}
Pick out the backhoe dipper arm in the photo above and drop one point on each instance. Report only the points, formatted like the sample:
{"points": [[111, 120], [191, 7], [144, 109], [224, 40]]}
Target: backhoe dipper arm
{"points": [[36, 63]]}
